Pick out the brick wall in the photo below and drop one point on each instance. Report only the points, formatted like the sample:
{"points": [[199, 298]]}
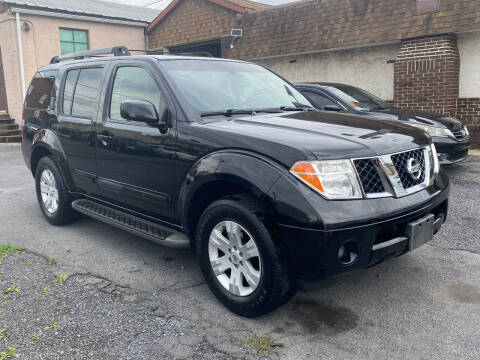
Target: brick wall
{"points": [[426, 77], [475, 136], [192, 21], [316, 25], [426, 74], [468, 110]]}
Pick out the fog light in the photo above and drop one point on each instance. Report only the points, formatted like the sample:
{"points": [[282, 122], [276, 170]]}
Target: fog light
{"points": [[348, 252]]}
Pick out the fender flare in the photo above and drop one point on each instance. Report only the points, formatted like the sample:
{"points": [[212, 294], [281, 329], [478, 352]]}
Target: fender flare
{"points": [[246, 169], [46, 139]]}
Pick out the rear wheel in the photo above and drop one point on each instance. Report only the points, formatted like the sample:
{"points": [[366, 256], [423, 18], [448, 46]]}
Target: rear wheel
{"points": [[53, 197], [241, 257]]}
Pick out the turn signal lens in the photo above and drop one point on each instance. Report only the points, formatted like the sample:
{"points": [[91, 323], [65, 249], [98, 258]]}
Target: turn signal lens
{"points": [[303, 167], [334, 179], [307, 173]]}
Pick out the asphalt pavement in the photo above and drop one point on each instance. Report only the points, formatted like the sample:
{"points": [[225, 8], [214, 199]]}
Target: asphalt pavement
{"points": [[126, 298]]}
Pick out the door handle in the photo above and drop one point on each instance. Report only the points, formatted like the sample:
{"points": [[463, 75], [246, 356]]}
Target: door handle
{"points": [[104, 139]]}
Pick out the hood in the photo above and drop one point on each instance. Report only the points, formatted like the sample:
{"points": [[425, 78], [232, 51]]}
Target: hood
{"points": [[326, 135], [418, 116]]}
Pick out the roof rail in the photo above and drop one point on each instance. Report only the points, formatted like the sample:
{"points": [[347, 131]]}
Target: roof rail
{"points": [[193, 53], [116, 51]]}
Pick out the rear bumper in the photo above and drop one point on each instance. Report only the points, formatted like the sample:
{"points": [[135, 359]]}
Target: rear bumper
{"points": [[314, 254], [451, 151]]}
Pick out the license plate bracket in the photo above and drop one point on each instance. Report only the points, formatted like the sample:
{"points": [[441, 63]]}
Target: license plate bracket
{"points": [[420, 231]]}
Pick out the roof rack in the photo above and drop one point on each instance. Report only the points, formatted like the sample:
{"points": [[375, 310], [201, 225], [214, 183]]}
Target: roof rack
{"points": [[115, 51], [166, 52], [193, 53]]}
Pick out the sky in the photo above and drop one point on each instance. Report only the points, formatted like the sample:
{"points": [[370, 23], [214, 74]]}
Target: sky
{"points": [[161, 4]]}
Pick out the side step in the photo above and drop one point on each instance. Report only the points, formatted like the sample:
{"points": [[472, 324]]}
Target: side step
{"points": [[134, 225]]}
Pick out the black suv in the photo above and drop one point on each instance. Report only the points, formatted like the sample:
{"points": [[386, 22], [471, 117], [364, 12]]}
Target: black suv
{"points": [[450, 136], [228, 158]]}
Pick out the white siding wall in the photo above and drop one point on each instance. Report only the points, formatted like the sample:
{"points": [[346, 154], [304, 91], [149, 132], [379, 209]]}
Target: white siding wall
{"points": [[365, 67], [469, 48], [43, 41], [11, 65]]}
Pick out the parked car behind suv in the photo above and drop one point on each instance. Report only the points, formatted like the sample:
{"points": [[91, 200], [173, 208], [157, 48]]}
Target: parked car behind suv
{"points": [[450, 136], [229, 159]]}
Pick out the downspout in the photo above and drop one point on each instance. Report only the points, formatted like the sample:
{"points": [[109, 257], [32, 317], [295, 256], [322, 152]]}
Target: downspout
{"points": [[145, 37], [20, 54]]}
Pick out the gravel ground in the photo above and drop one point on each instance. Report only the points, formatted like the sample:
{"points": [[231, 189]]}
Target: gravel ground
{"points": [[127, 298], [84, 317], [462, 230]]}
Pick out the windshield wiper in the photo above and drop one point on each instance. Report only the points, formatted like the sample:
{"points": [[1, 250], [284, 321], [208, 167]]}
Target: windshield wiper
{"points": [[296, 108], [228, 112], [231, 112]]}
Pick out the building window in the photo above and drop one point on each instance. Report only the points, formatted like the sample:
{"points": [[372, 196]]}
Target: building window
{"points": [[72, 40]]}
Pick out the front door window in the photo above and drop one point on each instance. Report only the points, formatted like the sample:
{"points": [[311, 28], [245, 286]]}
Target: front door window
{"points": [[134, 83]]}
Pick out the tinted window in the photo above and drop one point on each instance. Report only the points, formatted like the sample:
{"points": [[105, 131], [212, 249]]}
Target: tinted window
{"points": [[134, 83], [86, 92], [319, 100], [39, 93], [70, 83]]}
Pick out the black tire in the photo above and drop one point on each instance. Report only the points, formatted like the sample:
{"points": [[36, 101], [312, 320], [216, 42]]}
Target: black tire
{"points": [[276, 284], [64, 213]]}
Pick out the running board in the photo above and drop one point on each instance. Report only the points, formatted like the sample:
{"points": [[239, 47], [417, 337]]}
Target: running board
{"points": [[134, 225]]}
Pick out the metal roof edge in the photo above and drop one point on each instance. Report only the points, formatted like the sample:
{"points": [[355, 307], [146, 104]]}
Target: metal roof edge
{"points": [[77, 16]]}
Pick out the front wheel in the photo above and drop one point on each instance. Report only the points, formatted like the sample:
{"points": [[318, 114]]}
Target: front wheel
{"points": [[241, 257], [53, 197]]}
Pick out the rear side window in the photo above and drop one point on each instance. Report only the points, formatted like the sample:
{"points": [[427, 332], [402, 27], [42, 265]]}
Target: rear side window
{"points": [[39, 93], [69, 88], [81, 90]]}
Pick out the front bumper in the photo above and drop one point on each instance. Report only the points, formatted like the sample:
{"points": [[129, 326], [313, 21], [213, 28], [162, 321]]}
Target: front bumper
{"points": [[451, 151], [314, 254]]}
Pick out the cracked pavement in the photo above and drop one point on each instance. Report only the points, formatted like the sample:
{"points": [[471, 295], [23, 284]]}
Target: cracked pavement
{"points": [[127, 298]]}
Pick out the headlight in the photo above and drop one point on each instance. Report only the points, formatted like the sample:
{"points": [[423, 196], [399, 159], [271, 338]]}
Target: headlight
{"points": [[466, 131], [434, 130], [334, 179]]}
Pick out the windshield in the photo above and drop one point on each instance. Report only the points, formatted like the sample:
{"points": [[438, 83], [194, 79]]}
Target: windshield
{"points": [[358, 99], [211, 86]]}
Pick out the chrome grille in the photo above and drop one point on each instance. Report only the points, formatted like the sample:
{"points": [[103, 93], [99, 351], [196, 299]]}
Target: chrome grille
{"points": [[369, 176], [389, 175], [400, 163]]}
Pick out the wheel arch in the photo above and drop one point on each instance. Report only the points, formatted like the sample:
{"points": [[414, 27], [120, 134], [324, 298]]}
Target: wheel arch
{"points": [[46, 143], [221, 174]]}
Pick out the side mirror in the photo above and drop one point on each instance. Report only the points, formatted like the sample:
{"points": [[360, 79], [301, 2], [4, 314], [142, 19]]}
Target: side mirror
{"points": [[139, 110], [332, 107]]}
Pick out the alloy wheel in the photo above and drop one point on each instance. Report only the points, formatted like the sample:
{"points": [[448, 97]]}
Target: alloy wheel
{"points": [[235, 258], [49, 191]]}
